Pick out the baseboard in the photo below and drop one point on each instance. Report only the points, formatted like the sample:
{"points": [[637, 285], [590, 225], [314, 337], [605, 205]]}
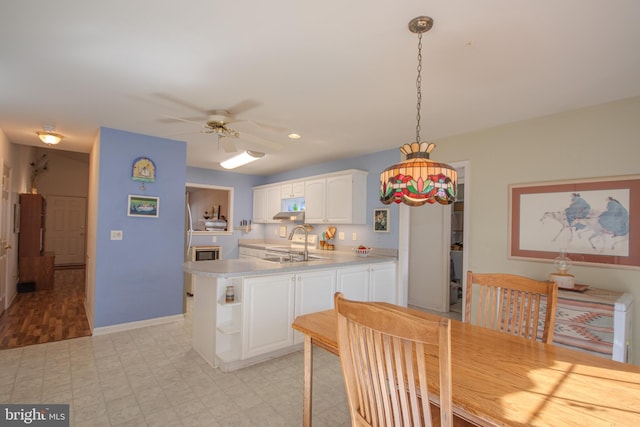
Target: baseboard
{"points": [[136, 325]]}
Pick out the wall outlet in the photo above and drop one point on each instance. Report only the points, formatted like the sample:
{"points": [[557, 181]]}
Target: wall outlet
{"points": [[214, 239], [353, 236], [341, 235], [116, 234]]}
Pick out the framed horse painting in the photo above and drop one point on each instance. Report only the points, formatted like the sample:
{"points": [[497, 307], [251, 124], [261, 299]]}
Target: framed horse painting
{"points": [[594, 220]]}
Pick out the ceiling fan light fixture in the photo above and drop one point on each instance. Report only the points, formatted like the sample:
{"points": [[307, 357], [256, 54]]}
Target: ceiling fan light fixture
{"points": [[418, 179], [49, 137], [242, 159]]}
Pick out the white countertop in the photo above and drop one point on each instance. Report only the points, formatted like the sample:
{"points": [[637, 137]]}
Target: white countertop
{"points": [[254, 267]]}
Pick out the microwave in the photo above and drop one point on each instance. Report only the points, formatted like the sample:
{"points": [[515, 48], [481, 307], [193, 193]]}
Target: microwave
{"points": [[205, 253]]}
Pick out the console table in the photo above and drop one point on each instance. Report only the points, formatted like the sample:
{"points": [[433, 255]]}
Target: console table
{"points": [[597, 321]]}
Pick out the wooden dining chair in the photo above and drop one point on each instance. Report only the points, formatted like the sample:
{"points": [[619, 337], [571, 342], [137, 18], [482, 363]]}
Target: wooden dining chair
{"points": [[382, 353], [511, 304]]}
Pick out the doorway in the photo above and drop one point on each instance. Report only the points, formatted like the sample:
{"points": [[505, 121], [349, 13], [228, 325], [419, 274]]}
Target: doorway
{"points": [[426, 243], [65, 224]]}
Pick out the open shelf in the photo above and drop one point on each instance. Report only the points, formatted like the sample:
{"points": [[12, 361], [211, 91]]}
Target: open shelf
{"points": [[229, 329]]}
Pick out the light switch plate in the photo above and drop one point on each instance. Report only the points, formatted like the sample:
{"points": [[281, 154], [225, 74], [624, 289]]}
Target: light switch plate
{"points": [[283, 231], [116, 234], [341, 235]]}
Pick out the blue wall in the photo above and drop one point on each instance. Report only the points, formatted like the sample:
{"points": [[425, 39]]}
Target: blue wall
{"points": [[140, 276]]}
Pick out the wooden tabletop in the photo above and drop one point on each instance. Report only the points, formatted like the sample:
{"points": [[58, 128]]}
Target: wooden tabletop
{"points": [[504, 380]]}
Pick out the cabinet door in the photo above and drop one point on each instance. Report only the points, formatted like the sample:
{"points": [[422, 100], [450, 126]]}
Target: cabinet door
{"points": [[259, 205], [353, 282], [267, 314], [339, 199], [382, 282], [292, 190], [273, 201], [314, 292], [315, 200]]}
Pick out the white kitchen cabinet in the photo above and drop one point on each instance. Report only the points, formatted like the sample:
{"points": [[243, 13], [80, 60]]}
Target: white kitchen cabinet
{"points": [[314, 292], [268, 309], [266, 203], [259, 205], [338, 199], [373, 282], [382, 282], [353, 282], [292, 190]]}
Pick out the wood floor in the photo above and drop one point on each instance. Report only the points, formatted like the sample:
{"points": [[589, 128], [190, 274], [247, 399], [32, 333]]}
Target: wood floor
{"points": [[47, 315]]}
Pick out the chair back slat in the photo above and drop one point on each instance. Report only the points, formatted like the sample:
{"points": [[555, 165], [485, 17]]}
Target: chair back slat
{"points": [[382, 353], [512, 304]]}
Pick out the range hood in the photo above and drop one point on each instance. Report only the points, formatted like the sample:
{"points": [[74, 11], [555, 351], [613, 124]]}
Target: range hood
{"points": [[295, 216]]}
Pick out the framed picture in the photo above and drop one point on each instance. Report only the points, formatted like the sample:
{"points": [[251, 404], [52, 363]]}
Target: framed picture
{"points": [[594, 220], [144, 206], [381, 220]]}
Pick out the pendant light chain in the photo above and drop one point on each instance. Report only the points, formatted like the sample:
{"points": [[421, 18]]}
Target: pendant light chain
{"points": [[419, 87]]}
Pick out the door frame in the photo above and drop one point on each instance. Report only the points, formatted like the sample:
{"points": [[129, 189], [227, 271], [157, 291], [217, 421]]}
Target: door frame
{"points": [[404, 217]]}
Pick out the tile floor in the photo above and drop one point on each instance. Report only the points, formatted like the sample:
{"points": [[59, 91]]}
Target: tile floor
{"points": [[152, 377]]}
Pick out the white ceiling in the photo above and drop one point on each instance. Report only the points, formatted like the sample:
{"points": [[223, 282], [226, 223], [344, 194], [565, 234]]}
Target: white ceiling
{"points": [[340, 73]]}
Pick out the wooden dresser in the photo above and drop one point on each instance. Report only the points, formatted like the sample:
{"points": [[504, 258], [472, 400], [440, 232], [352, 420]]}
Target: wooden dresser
{"points": [[597, 321], [34, 265]]}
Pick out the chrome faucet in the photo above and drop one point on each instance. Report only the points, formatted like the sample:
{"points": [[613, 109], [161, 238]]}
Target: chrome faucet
{"points": [[306, 228]]}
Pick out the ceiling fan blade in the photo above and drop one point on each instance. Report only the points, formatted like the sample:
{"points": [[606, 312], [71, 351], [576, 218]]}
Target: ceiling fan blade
{"points": [[173, 119], [228, 145], [272, 128], [242, 106], [178, 101], [274, 146]]}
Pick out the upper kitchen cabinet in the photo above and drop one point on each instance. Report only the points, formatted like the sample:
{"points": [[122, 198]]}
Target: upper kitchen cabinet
{"points": [[339, 198], [292, 190], [266, 203]]}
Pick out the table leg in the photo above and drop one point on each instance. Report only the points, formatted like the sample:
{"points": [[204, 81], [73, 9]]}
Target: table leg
{"points": [[308, 381]]}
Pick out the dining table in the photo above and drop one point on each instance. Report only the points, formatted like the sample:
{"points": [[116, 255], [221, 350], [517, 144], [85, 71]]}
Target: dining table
{"points": [[503, 380]]}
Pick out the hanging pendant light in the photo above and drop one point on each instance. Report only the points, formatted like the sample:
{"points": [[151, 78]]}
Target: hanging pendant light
{"points": [[418, 180]]}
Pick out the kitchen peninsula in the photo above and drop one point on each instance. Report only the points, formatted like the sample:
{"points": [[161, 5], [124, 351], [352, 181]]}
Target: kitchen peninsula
{"points": [[255, 324]]}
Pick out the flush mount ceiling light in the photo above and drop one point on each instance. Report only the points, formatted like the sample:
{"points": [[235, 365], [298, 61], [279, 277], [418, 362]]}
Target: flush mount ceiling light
{"points": [[418, 180], [241, 159], [48, 136]]}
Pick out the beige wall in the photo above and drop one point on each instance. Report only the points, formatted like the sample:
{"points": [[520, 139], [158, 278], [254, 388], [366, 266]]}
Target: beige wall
{"points": [[67, 173], [592, 142]]}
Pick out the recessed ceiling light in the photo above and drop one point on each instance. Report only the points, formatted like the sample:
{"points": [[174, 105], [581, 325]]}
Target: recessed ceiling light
{"points": [[294, 136]]}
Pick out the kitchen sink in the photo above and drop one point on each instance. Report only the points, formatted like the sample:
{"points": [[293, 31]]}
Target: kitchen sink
{"points": [[287, 259]]}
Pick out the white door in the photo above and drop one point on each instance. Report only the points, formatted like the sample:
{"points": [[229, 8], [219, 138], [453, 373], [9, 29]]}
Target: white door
{"points": [[65, 228], [5, 214], [428, 261]]}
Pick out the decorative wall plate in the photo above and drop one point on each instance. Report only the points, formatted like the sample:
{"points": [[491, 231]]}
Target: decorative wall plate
{"points": [[144, 170]]}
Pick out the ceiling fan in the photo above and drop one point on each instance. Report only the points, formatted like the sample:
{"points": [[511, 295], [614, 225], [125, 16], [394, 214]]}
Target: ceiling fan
{"points": [[217, 122]]}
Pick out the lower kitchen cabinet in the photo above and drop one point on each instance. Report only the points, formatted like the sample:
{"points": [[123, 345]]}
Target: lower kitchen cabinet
{"points": [[374, 282], [353, 282], [256, 326], [314, 292], [382, 282], [268, 309]]}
